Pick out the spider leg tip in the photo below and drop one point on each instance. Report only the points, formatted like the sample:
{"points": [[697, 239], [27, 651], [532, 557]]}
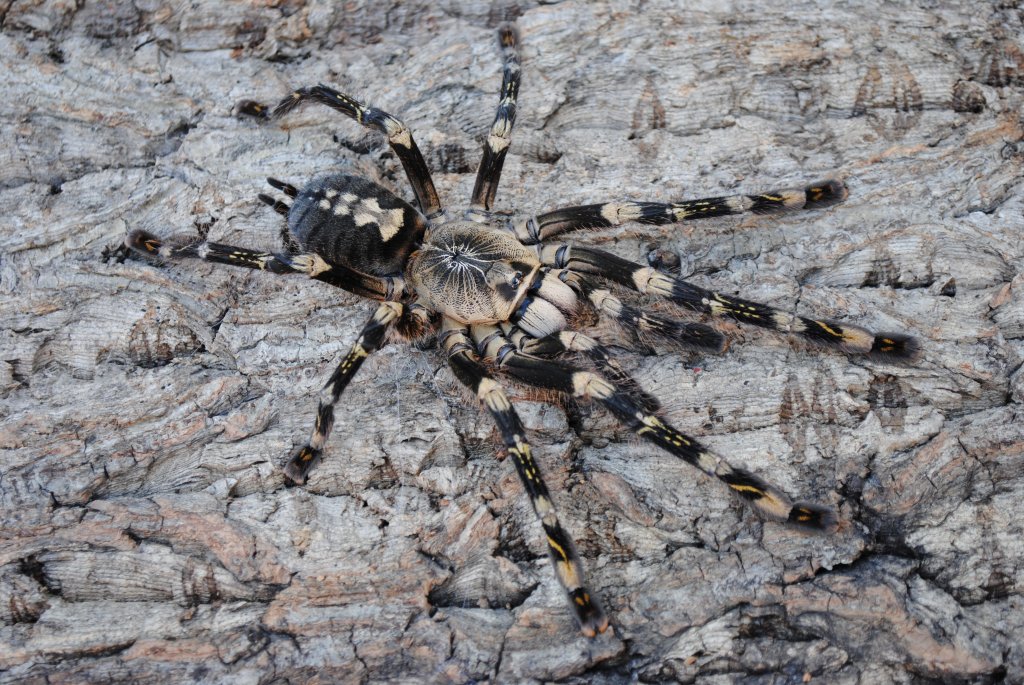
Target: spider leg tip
{"points": [[826, 193], [591, 618], [895, 347], [592, 630], [143, 241], [251, 108], [508, 34], [297, 469], [813, 517]]}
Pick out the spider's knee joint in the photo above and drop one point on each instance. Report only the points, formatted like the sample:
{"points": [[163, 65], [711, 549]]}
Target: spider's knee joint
{"points": [[388, 312], [649, 280], [398, 133], [493, 396], [591, 386], [308, 263], [577, 342]]}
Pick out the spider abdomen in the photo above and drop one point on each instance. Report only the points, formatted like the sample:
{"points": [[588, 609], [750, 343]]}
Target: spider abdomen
{"points": [[353, 222]]}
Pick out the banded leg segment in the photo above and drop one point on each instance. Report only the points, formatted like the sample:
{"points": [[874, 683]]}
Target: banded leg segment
{"points": [[573, 342], [644, 279], [399, 137], [550, 224], [645, 325], [496, 145], [308, 263], [763, 497], [566, 562], [370, 340]]}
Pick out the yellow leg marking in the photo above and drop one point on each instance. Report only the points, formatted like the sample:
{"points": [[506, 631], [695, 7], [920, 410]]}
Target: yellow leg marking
{"points": [[828, 329], [803, 515], [749, 488], [522, 455], [558, 548], [676, 438], [652, 424]]}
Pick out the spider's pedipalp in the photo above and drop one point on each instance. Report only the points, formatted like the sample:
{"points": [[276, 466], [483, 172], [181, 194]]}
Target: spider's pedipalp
{"points": [[370, 340], [645, 279], [547, 225], [500, 135], [566, 562], [399, 137], [768, 500]]}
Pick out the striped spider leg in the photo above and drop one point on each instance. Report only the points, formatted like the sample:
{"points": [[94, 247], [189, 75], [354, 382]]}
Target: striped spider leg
{"points": [[644, 279], [398, 134], [542, 227], [496, 145], [411, 318], [463, 358], [768, 500], [309, 263]]}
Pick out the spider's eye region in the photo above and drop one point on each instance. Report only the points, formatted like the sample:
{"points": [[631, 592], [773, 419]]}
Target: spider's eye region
{"points": [[516, 280]]}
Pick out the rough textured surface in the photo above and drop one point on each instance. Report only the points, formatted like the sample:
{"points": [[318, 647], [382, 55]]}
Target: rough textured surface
{"points": [[146, 532]]}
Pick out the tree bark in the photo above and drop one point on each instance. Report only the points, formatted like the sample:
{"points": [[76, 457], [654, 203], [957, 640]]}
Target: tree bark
{"points": [[147, 409]]}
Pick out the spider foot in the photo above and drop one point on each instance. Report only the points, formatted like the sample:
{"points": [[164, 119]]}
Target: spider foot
{"points": [[296, 471], [895, 346], [287, 188], [143, 241], [588, 612], [813, 517], [251, 108], [825, 194]]}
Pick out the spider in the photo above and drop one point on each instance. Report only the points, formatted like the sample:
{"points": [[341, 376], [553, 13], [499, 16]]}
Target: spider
{"points": [[499, 298]]}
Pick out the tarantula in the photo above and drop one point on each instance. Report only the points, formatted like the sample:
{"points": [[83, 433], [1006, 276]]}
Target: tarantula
{"points": [[500, 296]]}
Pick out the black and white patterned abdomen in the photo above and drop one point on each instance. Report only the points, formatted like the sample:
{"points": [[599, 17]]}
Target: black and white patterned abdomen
{"points": [[353, 222]]}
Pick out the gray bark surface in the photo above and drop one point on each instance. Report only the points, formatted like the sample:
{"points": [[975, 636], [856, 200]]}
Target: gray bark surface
{"points": [[147, 535]]}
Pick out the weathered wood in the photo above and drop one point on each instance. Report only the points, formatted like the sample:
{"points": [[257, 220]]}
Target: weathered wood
{"points": [[147, 533]]}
